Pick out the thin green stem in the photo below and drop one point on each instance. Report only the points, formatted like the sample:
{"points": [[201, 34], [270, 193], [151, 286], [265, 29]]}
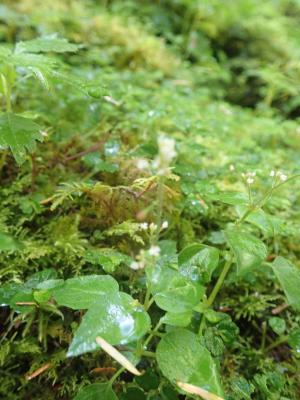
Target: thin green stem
{"points": [[152, 334], [7, 93], [115, 376], [215, 291], [278, 342]]}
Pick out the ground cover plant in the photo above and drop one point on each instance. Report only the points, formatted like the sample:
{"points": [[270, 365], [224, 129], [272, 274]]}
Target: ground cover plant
{"points": [[149, 219]]}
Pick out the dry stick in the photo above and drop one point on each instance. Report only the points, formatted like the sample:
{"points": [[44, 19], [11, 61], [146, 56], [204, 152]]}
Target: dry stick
{"points": [[279, 309], [38, 372]]}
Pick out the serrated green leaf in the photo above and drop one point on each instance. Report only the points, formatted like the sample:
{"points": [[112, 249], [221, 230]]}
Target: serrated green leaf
{"points": [[46, 45], [80, 293], [289, 278], [19, 134], [249, 251], [116, 317], [96, 391], [181, 357]]}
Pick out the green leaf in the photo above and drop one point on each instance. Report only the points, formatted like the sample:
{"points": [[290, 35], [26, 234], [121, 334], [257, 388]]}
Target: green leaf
{"points": [[8, 243], [205, 258], [181, 357], [82, 292], [46, 45], [268, 224], [173, 291], [277, 324], [108, 258], [177, 319], [19, 134], [116, 317], [289, 278], [294, 340], [249, 251], [96, 391], [231, 198]]}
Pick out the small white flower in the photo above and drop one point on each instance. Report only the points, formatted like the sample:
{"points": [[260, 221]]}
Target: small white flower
{"points": [[272, 173], [154, 251], [166, 148], [144, 226], [44, 133], [243, 175], [283, 177], [231, 167], [142, 163], [135, 265], [250, 181], [153, 227], [165, 225]]}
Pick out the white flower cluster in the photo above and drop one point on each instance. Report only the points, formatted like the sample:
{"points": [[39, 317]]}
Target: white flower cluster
{"points": [[249, 177], [166, 153], [153, 251], [279, 175], [144, 226]]}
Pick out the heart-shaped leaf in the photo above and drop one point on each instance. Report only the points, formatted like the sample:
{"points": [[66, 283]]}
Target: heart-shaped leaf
{"points": [[289, 278], [116, 317], [181, 357], [81, 293], [249, 251]]}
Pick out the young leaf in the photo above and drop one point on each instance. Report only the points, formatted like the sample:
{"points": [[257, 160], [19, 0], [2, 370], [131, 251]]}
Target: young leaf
{"points": [[81, 293], [182, 358], [116, 317], [96, 391], [19, 134], [249, 251], [289, 278], [46, 45]]}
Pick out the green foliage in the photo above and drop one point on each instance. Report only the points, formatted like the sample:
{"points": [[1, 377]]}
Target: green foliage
{"points": [[160, 215]]}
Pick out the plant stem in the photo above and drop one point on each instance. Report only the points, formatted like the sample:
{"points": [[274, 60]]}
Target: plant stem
{"points": [[116, 375], [7, 93], [277, 342], [215, 291], [152, 334], [219, 283]]}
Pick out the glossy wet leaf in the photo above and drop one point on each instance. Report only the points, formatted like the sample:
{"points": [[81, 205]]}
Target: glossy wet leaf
{"points": [[289, 278], [96, 391], [249, 251], [181, 357], [231, 198], [269, 224], [205, 258], [82, 292], [19, 134], [173, 291], [116, 317]]}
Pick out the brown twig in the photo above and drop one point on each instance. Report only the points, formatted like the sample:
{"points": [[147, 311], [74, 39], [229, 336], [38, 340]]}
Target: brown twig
{"points": [[279, 309], [38, 372]]}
